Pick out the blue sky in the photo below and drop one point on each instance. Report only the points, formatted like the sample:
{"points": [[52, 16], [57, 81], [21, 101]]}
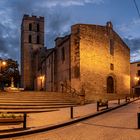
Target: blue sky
{"points": [[61, 14]]}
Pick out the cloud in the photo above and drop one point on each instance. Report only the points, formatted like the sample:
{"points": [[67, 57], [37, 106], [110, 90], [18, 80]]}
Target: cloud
{"points": [[130, 29], [134, 45], [66, 3], [57, 23], [131, 37]]}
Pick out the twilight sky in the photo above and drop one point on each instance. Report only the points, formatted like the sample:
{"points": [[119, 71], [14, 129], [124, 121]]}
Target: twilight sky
{"points": [[61, 14]]}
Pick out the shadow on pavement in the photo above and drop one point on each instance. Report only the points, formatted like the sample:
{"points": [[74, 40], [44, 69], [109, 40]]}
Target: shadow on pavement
{"points": [[108, 126]]}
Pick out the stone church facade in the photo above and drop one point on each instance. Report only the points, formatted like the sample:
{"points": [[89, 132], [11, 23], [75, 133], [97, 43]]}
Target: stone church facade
{"points": [[93, 57]]}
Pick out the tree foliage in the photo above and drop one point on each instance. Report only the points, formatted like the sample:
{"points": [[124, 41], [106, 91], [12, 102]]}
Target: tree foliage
{"points": [[9, 70]]}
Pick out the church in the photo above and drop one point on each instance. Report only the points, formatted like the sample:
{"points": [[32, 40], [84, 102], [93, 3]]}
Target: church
{"points": [[93, 57]]}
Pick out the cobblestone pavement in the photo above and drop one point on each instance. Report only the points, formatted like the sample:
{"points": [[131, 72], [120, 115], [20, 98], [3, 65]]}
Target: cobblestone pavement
{"points": [[120, 124]]}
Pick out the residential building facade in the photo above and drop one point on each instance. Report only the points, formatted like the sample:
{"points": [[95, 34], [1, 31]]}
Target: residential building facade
{"points": [[135, 77]]}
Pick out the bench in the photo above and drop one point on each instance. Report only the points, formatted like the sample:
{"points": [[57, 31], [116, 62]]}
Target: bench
{"points": [[14, 120], [102, 103], [127, 99]]}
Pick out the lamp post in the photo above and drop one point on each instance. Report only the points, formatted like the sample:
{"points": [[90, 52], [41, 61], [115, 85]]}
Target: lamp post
{"points": [[2, 64]]}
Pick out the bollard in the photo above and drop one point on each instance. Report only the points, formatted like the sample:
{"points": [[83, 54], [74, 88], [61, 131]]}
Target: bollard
{"points": [[24, 121], [119, 101], [97, 105], [71, 112], [107, 105], [133, 97], [138, 115]]}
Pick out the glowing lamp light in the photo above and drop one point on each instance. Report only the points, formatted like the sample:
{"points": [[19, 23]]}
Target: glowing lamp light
{"points": [[41, 78], [3, 63], [136, 78]]}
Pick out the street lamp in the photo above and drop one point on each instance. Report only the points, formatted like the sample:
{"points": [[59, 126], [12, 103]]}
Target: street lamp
{"points": [[2, 64]]}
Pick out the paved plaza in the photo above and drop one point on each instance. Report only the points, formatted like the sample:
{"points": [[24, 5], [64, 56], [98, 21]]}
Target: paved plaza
{"points": [[120, 124]]}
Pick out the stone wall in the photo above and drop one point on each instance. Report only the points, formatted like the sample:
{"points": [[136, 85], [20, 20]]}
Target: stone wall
{"points": [[63, 74], [28, 48], [50, 72], [95, 60]]}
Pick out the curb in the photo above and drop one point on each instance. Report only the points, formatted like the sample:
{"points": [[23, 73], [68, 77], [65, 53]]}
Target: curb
{"points": [[50, 127]]}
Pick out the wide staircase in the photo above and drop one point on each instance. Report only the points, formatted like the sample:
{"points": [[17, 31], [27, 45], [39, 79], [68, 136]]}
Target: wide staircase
{"points": [[33, 102]]}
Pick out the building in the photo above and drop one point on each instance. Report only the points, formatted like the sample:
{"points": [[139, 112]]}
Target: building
{"points": [[92, 57], [135, 77], [100, 60], [32, 39]]}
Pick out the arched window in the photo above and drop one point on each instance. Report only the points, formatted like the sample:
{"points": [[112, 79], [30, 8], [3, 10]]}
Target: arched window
{"points": [[30, 39], [110, 84]]}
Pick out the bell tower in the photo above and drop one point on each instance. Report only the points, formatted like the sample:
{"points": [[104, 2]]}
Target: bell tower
{"points": [[32, 40]]}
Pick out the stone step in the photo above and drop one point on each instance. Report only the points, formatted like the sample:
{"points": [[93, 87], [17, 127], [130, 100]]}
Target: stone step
{"points": [[35, 104], [35, 107], [28, 110], [33, 94], [35, 100]]}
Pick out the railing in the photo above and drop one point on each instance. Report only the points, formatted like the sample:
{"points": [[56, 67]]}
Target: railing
{"points": [[69, 89], [79, 95]]}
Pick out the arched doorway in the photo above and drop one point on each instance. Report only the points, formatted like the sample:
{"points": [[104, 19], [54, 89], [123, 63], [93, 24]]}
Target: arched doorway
{"points": [[110, 84]]}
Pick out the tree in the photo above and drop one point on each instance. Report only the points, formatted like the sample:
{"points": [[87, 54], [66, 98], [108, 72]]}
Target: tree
{"points": [[9, 70]]}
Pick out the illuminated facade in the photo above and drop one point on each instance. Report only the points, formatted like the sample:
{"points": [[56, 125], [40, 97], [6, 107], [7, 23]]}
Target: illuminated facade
{"points": [[32, 40], [91, 56], [135, 77], [102, 59]]}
